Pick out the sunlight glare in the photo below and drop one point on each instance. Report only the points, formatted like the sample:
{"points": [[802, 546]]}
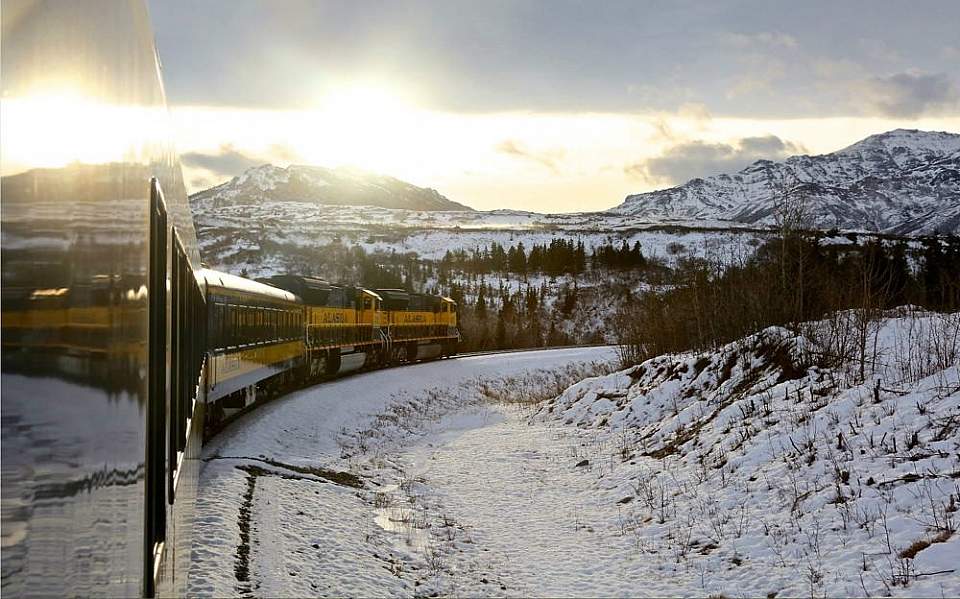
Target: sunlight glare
{"points": [[55, 127], [362, 125]]}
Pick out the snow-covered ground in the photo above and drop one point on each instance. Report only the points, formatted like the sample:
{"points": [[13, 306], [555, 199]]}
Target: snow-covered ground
{"points": [[747, 471], [285, 229], [289, 494]]}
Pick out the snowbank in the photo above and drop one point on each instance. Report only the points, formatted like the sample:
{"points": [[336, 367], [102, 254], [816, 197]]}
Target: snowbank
{"points": [[776, 476]]}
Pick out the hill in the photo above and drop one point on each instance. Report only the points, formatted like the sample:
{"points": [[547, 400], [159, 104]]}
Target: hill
{"points": [[318, 185], [902, 181]]}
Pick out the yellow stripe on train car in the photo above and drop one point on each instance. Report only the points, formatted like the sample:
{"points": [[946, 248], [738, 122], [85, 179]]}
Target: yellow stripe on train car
{"points": [[236, 363]]}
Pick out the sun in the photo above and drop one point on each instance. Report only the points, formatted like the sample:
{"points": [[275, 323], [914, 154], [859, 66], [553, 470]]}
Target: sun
{"points": [[366, 125], [358, 102]]}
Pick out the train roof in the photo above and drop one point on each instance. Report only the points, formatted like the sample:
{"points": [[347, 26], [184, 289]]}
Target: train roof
{"points": [[392, 293], [315, 291], [222, 280]]}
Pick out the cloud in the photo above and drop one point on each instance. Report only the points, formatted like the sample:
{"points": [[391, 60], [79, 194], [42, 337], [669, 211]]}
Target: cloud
{"points": [[769, 39], [227, 162], [909, 94], [760, 72], [548, 158], [283, 154], [697, 111], [197, 183], [698, 158], [879, 50]]}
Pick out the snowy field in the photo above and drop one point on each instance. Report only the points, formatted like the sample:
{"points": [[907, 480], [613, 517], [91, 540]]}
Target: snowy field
{"points": [[292, 493], [745, 471]]}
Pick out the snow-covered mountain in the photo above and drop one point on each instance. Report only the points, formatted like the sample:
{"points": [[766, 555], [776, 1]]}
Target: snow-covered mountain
{"points": [[902, 181], [318, 185]]}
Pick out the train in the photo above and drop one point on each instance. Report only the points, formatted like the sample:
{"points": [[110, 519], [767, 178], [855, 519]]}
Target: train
{"points": [[269, 335], [121, 351]]}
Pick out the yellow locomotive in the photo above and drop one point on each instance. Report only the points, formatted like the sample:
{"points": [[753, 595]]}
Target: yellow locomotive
{"points": [[265, 335]]}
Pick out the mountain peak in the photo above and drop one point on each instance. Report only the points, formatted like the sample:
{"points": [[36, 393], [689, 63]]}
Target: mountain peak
{"points": [[938, 142], [321, 185], [900, 181]]}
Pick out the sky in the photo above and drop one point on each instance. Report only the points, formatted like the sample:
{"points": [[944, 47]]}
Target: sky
{"points": [[553, 105]]}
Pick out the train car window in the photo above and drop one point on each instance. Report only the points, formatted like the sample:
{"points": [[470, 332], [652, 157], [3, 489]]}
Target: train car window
{"points": [[228, 326], [155, 510], [214, 322], [247, 325], [219, 317]]}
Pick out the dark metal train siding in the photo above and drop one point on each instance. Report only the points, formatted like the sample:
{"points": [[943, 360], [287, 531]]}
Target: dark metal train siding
{"points": [[84, 132]]}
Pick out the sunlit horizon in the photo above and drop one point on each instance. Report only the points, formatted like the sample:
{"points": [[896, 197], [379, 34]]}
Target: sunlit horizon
{"points": [[541, 162], [549, 107]]}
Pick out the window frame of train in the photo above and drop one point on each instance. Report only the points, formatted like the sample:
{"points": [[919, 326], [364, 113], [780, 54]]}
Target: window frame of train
{"points": [[177, 322], [188, 333], [155, 464]]}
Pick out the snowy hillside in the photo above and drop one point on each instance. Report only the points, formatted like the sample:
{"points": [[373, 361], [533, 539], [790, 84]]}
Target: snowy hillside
{"points": [[318, 185], [902, 181], [752, 471]]}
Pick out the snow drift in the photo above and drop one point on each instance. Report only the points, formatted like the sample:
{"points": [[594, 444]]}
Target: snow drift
{"points": [[779, 476]]}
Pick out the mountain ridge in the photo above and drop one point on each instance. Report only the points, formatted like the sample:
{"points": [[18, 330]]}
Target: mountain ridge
{"points": [[320, 185], [903, 181]]}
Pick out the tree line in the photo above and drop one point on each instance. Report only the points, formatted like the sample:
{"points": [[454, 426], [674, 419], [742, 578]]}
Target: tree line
{"points": [[559, 257], [788, 280]]}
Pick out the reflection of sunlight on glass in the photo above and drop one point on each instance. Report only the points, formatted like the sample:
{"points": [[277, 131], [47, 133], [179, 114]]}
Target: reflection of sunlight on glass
{"points": [[51, 129]]}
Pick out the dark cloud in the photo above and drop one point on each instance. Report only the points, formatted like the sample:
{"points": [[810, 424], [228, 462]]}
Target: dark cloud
{"points": [[228, 162], [693, 159], [547, 55], [548, 158], [906, 95]]}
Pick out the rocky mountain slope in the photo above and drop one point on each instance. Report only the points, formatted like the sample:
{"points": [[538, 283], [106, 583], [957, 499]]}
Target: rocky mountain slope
{"points": [[318, 185], [902, 181]]}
